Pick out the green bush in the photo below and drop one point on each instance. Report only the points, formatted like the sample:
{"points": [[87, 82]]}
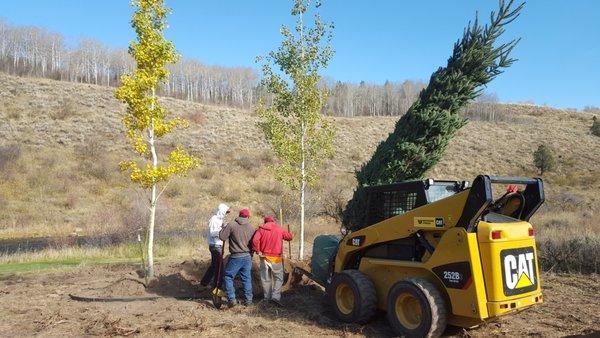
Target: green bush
{"points": [[543, 158], [595, 129]]}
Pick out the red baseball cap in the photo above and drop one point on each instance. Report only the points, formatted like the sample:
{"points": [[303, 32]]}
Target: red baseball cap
{"points": [[245, 213]]}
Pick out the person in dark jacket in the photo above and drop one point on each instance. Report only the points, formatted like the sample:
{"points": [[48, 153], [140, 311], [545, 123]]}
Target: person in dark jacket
{"points": [[239, 234], [268, 243]]}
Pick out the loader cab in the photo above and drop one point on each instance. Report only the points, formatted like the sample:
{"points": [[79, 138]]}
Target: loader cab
{"points": [[385, 201]]}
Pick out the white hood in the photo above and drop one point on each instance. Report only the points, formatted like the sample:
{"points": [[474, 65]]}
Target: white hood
{"points": [[221, 210], [215, 224]]}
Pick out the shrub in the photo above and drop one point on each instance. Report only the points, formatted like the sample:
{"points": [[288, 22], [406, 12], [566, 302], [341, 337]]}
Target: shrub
{"points": [[65, 109], [595, 128], [225, 193], [334, 202], [69, 202], [579, 254], [89, 150], [173, 190], [9, 154], [195, 117], [206, 172], [355, 155], [264, 158], [101, 170], [544, 160], [268, 187], [93, 161], [289, 204], [13, 113], [567, 201], [246, 162]]}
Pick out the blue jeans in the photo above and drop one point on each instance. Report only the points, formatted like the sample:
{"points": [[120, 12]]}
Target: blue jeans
{"points": [[243, 266]]}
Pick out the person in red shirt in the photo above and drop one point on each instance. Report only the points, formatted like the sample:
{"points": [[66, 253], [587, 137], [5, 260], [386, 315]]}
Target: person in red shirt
{"points": [[268, 243]]}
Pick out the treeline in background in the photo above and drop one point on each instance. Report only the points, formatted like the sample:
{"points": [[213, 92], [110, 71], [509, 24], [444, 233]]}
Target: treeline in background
{"points": [[37, 52]]}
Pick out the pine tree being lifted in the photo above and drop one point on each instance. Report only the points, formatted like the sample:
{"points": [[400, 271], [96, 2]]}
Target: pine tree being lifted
{"points": [[421, 136]]}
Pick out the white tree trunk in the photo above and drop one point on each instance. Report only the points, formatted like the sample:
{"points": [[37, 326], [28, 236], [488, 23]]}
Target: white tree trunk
{"points": [[303, 163], [302, 193], [150, 234], [153, 200]]}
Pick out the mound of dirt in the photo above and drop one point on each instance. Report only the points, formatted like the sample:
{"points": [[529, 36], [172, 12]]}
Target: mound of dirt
{"points": [[182, 281], [123, 287]]}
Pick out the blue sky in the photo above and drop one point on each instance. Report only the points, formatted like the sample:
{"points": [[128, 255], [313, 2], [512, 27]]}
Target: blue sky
{"points": [[559, 55]]}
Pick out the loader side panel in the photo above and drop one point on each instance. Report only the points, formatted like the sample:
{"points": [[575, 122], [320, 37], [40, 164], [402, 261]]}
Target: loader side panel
{"points": [[455, 262], [454, 268]]}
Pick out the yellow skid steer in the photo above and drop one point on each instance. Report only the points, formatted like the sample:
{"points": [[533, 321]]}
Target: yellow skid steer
{"points": [[435, 253]]}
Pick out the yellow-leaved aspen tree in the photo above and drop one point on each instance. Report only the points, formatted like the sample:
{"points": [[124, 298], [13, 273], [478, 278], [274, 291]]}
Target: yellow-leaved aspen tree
{"points": [[145, 119], [299, 135]]}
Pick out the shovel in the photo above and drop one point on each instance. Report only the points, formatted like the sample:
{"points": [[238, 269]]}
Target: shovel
{"points": [[216, 292]]}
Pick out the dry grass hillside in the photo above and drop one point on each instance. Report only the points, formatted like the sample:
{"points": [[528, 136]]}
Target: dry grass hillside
{"points": [[60, 144]]}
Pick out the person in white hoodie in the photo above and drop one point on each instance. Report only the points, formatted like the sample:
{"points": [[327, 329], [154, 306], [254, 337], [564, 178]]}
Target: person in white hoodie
{"points": [[215, 245]]}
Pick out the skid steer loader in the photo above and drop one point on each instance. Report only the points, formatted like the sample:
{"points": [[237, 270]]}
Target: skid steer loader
{"points": [[435, 253]]}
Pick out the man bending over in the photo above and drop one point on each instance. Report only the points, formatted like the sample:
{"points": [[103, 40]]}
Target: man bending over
{"points": [[268, 243]]}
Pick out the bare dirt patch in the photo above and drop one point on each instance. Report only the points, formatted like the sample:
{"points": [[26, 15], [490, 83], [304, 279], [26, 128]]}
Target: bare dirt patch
{"points": [[40, 305]]}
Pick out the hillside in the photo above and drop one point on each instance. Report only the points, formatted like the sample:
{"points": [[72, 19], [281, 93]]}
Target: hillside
{"points": [[61, 143]]}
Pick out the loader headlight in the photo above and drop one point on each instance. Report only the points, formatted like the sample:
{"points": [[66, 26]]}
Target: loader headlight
{"points": [[343, 230]]}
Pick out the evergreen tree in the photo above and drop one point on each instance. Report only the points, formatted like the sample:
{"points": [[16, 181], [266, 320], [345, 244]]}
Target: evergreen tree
{"points": [[543, 158], [595, 128], [421, 136]]}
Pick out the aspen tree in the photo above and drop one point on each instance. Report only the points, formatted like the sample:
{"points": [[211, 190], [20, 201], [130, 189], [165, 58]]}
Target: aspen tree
{"points": [[299, 135], [146, 120]]}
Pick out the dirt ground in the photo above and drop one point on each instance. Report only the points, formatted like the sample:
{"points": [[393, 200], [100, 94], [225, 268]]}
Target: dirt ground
{"points": [[40, 305]]}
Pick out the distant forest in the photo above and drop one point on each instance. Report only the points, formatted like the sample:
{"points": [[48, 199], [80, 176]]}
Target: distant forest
{"points": [[37, 52]]}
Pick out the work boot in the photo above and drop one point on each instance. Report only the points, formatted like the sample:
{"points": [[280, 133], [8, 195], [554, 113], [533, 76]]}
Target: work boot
{"points": [[277, 302], [247, 303], [231, 303]]}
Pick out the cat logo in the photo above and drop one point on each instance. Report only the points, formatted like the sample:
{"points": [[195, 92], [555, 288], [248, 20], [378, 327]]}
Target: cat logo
{"points": [[356, 241], [518, 270]]}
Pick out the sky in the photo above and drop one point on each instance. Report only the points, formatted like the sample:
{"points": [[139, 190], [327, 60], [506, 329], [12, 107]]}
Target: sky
{"points": [[374, 41]]}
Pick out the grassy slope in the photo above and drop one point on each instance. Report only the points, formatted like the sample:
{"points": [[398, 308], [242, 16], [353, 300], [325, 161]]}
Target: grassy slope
{"points": [[70, 140]]}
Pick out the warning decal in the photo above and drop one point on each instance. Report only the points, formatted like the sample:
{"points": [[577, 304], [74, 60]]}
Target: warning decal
{"points": [[429, 222]]}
